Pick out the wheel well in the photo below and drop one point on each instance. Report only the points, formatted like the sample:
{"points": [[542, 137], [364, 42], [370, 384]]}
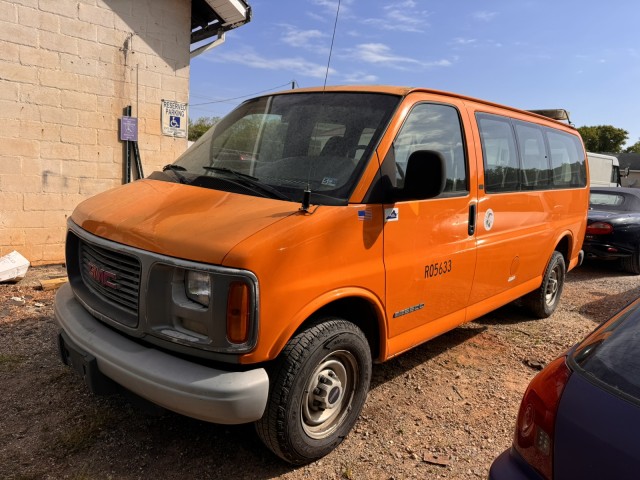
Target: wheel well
{"points": [[564, 247], [357, 311]]}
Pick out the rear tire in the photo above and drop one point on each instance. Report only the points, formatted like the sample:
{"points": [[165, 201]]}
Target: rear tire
{"points": [[544, 301], [318, 387], [632, 264]]}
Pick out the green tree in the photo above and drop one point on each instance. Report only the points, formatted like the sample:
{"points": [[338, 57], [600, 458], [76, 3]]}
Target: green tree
{"points": [[603, 138], [201, 125], [635, 148]]}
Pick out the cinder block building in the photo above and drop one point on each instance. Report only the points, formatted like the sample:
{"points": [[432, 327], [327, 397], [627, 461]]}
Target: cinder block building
{"points": [[68, 68]]}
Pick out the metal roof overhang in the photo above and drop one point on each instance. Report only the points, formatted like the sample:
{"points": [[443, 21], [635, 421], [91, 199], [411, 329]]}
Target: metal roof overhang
{"points": [[212, 18]]}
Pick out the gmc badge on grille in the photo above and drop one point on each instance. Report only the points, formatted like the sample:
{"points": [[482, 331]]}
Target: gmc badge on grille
{"points": [[102, 276]]}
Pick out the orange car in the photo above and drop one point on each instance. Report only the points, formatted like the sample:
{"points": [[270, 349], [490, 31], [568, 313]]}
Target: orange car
{"points": [[308, 234]]}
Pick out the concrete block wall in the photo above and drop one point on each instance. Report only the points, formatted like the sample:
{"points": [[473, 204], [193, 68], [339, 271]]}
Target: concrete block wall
{"points": [[67, 70]]}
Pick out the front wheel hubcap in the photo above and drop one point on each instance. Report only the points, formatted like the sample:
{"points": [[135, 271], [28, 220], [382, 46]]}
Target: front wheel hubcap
{"points": [[329, 393]]}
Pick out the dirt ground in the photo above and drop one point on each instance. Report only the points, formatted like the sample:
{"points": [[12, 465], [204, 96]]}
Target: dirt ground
{"points": [[444, 410]]}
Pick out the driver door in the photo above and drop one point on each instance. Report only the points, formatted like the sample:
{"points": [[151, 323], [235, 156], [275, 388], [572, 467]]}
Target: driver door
{"points": [[429, 245]]}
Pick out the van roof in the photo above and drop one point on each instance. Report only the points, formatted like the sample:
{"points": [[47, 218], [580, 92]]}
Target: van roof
{"points": [[404, 91]]}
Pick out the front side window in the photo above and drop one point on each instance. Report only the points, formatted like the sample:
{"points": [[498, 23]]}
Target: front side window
{"points": [[279, 146], [437, 128]]}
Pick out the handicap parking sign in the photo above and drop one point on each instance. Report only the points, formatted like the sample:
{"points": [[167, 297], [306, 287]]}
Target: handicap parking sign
{"points": [[129, 129], [174, 118]]}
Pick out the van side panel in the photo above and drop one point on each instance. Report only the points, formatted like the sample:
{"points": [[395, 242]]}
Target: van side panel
{"points": [[518, 230], [515, 234]]}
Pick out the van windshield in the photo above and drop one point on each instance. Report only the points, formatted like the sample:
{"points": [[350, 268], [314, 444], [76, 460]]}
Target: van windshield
{"points": [[278, 146]]}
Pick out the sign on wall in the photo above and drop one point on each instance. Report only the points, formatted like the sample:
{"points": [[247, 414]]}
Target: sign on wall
{"points": [[174, 118], [129, 129]]}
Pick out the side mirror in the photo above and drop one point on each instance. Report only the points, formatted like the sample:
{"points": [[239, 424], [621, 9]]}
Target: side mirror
{"points": [[425, 176]]}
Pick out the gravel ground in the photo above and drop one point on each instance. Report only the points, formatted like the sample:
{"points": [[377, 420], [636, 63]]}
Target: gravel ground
{"points": [[443, 410]]}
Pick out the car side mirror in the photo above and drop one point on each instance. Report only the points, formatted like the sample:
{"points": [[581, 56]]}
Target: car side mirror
{"points": [[424, 178]]}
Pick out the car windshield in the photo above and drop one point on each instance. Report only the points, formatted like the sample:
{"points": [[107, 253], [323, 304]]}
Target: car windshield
{"points": [[611, 354], [281, 145]]}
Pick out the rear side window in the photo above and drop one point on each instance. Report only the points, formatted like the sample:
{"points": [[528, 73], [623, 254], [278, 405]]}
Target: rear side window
{"points": [[535, 162], [567, 160], [522, 155], [501, 168], [611, 355]]}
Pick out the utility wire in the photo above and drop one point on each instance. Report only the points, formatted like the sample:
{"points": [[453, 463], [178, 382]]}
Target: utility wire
{"points": [[242, 96]]}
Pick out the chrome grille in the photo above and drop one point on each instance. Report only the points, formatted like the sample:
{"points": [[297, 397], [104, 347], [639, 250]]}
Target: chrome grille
{"points": [[111, 275]]}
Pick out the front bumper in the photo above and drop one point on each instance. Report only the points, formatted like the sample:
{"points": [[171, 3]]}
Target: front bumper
{"points": [[188, 388]]}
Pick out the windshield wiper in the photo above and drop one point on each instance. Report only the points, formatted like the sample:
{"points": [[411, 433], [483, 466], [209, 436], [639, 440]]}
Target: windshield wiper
{"points": [[250, 180], [176, 169]]}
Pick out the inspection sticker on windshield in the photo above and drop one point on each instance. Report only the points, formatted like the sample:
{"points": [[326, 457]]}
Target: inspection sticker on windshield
{"points": [[391, 215], [330, 181]]}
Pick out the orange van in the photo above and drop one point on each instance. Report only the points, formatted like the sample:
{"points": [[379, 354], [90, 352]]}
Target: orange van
{"points": [[305, 236]]}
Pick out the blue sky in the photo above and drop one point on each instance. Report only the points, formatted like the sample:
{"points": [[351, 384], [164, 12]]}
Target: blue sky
{"points": [[580, 55]]}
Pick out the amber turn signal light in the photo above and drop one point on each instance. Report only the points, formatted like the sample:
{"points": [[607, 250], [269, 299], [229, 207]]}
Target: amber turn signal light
{"points": [[238, 312]]}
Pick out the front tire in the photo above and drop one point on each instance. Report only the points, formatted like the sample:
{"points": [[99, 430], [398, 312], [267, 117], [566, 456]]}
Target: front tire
{"points": [[544, 301], [318, 387]]}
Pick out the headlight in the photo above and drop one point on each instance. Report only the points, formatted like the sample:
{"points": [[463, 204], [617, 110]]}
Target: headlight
{"points": [[198, 287]]}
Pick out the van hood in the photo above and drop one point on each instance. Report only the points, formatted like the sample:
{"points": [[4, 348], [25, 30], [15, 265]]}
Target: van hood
{"points": [[178, 220]]}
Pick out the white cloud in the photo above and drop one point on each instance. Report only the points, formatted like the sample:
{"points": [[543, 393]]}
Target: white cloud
{"points": [[250, 58], [380, 53], [301, 38], [328, 4], [485, 16], [464, 41], [315, 16], [437, 63], [331, 6], [359, 77], [402, 16]]}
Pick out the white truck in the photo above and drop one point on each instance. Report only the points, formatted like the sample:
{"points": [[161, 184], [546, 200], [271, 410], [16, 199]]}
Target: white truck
{"points": [[604, 170]]}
